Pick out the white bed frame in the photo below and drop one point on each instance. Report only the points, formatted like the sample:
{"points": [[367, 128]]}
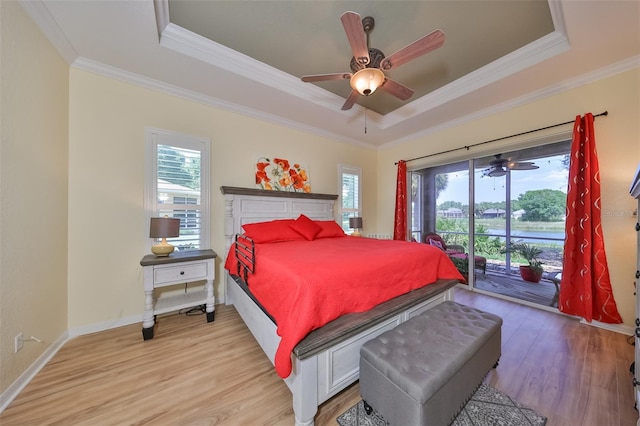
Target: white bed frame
{"points": [[318, 377]]}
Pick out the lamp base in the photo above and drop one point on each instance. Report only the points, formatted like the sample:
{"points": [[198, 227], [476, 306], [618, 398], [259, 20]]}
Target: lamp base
{"points": [[355, 233], [162, 249]]}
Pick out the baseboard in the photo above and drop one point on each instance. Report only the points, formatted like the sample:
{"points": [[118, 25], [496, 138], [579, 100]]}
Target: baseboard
{"points": [[16, 387], [618, 328], [106, 325]]}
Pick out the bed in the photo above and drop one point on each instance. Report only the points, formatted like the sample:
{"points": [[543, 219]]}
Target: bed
{"points": [[325, 361]]}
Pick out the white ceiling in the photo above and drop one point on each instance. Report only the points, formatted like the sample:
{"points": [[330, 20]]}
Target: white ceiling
{"points": [[248, 56]]}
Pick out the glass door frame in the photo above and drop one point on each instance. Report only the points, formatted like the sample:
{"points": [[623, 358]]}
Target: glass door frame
{"points": [[427, 214]]}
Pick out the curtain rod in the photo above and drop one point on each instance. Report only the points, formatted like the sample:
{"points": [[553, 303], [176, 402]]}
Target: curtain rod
{"points": [[499, 139]]}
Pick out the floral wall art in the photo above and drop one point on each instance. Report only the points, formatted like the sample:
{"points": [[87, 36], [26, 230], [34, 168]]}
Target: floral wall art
{"points": [[278, 174]]}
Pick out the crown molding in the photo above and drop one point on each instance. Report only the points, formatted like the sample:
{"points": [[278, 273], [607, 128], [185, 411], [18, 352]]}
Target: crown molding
{"points": [[191, 44], [582, 80], [535, 52], [162, 14], [196, 46], [170, 89], [138, 80], [37, 10], [523, 58]]}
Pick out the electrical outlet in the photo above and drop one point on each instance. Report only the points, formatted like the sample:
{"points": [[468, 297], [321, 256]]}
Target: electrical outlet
{"points": [[18, 342]]}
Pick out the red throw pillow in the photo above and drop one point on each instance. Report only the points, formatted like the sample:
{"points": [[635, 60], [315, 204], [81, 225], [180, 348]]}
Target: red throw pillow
{"points": [[330, 229], [306, 227], [273, 231]]}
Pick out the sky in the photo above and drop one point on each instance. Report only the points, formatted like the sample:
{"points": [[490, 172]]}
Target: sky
{"points": [[550, 175]]}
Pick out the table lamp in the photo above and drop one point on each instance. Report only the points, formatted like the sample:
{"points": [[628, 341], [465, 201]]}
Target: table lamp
{"points": [[356, 224], [164, 227]]}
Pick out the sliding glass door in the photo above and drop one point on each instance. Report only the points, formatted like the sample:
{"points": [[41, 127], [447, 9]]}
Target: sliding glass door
{"points": [[491, 214], [440, 203], [517, 199]]}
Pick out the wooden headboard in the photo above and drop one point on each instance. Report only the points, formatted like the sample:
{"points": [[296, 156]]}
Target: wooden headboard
{"points": [[246, 205]]}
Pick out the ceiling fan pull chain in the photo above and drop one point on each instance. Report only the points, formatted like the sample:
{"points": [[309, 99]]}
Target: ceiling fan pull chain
{"points": [[365, 121]]}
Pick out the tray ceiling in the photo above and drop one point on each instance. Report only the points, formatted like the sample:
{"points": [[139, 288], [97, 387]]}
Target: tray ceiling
{"points": [[248, 56]]}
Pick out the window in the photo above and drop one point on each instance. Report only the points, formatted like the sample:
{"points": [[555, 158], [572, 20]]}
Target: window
{"points": [[177, 185], [487, 204], [350, 179], [188, 218], [416, 207]]}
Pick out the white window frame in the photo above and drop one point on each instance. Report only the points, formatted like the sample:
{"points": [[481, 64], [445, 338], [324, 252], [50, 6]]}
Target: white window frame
{"points": [[153, 138], [344, 169]]}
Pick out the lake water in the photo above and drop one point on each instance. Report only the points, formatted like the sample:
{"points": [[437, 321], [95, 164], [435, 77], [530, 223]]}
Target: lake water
{"points": [[530, 236]]}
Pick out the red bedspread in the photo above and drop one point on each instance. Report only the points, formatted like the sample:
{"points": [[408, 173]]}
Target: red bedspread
{"points": [[306, 284]]}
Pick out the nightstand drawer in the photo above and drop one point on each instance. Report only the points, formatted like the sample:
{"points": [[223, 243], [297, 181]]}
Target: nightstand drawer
{"points": [[180, 273]]}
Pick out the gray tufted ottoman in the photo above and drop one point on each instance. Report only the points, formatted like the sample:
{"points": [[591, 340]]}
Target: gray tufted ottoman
{"points": [[424, 370]]}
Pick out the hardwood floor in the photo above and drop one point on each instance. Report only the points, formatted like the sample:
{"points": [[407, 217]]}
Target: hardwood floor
{"points": [[194, 373]]}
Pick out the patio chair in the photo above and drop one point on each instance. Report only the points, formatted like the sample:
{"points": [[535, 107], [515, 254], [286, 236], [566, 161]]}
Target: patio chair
{"points": [[454, 250], [555, 278]]}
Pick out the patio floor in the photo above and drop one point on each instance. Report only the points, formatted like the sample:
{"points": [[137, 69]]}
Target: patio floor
{"points": [[512, 285]]}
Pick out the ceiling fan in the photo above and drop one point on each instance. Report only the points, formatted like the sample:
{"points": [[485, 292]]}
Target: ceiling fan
{"points": [[368, 64], [500, 166]]}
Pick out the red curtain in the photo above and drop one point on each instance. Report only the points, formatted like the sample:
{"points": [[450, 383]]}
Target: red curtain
{"points": [[400, 220], [585, 288]]}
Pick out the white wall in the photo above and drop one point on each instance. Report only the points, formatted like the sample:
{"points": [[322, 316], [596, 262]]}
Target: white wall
{"points": [[33, 189], [106, 182], [618, 145]]}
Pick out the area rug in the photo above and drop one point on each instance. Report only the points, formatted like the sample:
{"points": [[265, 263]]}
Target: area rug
{"points": [[487, 407]]}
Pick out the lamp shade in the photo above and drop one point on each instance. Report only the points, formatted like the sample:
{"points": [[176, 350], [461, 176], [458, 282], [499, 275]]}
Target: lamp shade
{"points": [[355, 222], [367, 80], [164, 227]]}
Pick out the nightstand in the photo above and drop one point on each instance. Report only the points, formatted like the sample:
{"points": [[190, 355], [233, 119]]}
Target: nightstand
{"points": [[177, 268]]}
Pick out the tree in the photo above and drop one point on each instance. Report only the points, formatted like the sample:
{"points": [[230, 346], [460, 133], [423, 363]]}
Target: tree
{"points": [[442, 180], [176, 167], [543, 205], [450, 204]]}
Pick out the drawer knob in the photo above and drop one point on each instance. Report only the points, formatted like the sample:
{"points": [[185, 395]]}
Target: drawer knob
{"points": [[181, 272]]}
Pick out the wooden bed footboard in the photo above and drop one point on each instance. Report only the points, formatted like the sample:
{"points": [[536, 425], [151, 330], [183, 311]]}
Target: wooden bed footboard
{"points": [[327, 360]]}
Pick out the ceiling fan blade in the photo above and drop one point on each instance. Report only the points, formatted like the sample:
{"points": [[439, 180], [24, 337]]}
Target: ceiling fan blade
{"points": [[357, 38], [351, 100], [525, 165], [396, 89], [426, 44], [325, 77]]}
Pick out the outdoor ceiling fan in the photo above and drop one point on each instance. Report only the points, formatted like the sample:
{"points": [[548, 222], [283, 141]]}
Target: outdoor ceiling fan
{"points": [[368, 64], [500, 166]]}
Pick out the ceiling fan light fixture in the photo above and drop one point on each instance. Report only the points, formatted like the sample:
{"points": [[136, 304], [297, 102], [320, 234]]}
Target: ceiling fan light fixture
{"points": [[367, 80], [497, 172]]}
